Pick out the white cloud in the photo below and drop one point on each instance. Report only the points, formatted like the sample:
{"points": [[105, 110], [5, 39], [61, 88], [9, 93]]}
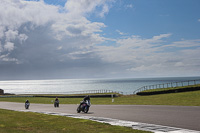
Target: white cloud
{"points": [[150, 56], [161, 36], [38, 39], [31, 15], [48, 38], [80, 8], [9, 46], [129, 6], [185, 44], [121, 33], [179, 64], [144, 68], [17, 12], [59, 48], [7, 59], [1, 48], [11, 35], [22, 38], [131, 49], [2, 29], [104, 10]]}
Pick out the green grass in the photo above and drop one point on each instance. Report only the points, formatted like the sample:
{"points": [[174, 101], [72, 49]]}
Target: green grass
{"points": [[11, 121], [181, 99], [171, 88], [178, 99], [22, 122]]}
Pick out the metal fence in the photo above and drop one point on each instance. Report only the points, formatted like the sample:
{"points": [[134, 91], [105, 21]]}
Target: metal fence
{"points": [[92, 92], [77, 92], [6, 96], [168, 85]]}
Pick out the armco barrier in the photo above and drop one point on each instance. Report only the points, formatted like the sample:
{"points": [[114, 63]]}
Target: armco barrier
{"points": [[168, 91], [168, 85], [81, 96], [78, 96], [14, 96]]}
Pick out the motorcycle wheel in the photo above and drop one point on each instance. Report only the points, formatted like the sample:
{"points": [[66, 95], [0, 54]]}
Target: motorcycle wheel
{"points": [[78, 110], [86, 109], [26, 107]]}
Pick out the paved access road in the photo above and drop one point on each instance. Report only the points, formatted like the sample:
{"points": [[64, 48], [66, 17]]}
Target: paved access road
{"points": [[187, 117]]}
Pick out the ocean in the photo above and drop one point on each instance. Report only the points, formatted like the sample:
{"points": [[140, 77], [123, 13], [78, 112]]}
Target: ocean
{"points": [[71, 86]]}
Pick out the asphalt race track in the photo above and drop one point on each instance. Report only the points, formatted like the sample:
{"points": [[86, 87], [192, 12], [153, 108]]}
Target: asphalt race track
{"points": [[186, 117]]}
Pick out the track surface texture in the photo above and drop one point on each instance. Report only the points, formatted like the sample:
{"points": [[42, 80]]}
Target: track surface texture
{"points": [[186, 117]]}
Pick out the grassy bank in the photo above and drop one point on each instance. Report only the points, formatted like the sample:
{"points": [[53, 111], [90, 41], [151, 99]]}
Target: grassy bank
{"points": [[173, 88], [21, 122], [181, 99]]}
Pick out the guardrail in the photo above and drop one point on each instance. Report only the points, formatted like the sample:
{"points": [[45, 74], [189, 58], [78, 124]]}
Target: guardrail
{"points": [[92, 92], [74, 92], [13, 96], [168, 85]]}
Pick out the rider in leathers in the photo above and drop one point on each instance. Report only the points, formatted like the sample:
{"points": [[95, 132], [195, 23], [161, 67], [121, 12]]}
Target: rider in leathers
{"points": [[85, 99]]}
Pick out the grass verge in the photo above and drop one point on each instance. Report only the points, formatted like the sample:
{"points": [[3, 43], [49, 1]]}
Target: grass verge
{"points": [[173, 88], [21, 122], [180, 99]]}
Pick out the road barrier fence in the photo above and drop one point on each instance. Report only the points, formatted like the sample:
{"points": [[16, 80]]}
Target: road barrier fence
{"points": [[168, 85]]}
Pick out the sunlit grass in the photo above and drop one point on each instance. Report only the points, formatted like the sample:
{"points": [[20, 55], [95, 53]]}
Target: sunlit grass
{"points": [[184, 99], [23, 122]]}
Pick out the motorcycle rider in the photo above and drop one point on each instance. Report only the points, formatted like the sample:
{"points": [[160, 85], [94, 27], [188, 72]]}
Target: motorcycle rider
{"points": [[56, 103], [27, 103], [85, 99], [56, 99]]}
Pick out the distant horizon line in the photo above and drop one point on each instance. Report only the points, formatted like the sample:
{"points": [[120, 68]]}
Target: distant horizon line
{"points": [[148, 77]]}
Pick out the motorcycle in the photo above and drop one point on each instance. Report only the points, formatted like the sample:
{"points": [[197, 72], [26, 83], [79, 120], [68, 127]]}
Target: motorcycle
{"points": [[56, 104], [27, 105], [84, 106]]}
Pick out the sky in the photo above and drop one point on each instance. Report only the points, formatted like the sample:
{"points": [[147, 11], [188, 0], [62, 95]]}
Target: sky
{"points": [[54, 39]]}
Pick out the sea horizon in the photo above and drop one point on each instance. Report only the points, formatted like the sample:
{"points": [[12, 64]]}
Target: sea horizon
{"points": [[65, 86]]}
